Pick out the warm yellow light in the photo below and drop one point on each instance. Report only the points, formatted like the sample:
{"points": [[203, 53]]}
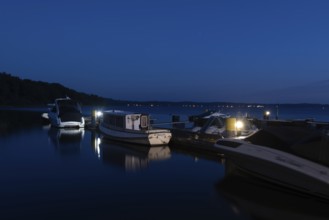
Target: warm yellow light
{"points": [[267, 113], [239, 125]]}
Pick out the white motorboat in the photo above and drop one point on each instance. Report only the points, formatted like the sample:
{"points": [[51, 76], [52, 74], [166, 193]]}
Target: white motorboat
{"points": [[132, 128], [64, 113], [294, 157]]}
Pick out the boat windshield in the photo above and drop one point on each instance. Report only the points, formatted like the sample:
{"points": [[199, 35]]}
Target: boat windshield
{"points": [[68, 106]]}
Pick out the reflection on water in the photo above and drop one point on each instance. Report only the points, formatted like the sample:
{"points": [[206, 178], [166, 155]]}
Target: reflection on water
{"points": [[15, 121], [263, 200], [37, 183], [66, 141], [128, 156], [96, 142]]}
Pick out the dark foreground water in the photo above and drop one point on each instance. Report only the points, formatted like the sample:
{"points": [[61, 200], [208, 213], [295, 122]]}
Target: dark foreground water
{"points": [[48, 173]]}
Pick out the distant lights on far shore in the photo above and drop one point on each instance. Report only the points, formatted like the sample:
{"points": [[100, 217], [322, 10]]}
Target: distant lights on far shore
{"points": [[142, 105], [222, 106], [255, 106], [228, 106], [192, 106]]}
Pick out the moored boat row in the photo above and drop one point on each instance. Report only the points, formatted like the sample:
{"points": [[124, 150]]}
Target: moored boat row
{"points": [[114, 124], [291, 154]]}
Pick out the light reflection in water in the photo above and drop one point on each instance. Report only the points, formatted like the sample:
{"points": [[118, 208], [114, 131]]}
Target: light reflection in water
{"points": [[95, 143], [66, 141], [128, 156]]}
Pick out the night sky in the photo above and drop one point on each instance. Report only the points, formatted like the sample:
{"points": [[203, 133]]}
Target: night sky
{"points": [[172, 50]]}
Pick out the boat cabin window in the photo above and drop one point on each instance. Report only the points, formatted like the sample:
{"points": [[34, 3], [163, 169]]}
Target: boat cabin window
{"points": [[133, 121], [115, 120], [144, 121], [120, 121]]}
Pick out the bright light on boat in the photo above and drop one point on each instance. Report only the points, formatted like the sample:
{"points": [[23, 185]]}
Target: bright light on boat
{"points": [[267, 113], [99, 114], [239, 125]]}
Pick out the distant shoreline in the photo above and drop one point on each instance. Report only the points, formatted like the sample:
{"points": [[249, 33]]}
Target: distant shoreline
{"points": [[176, 104], [16, 92]]}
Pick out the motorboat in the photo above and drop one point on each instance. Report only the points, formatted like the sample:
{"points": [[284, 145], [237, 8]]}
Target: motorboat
{"points": [[208, 128], [254, 198], [65, 113], [293, 157], [132, 128]]}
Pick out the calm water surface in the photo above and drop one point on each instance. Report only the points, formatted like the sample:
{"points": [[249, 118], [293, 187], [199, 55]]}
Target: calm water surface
{"points": [[49, 173]]}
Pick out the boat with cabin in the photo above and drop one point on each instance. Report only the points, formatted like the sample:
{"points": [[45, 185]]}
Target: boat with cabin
{"points": [[65, 113], [205, 129], [132, 128], [293, 157]]}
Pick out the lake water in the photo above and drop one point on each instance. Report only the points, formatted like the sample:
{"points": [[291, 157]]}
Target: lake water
{"points": [[49, 173]]}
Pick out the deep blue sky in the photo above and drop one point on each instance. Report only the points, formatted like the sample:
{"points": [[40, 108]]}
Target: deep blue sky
{"points": [[172, 50]]}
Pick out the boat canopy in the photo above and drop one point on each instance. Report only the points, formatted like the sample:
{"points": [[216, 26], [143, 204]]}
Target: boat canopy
{"points": [[68, 105]]}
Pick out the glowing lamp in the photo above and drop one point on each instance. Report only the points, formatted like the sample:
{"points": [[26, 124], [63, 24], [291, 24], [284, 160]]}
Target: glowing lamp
{"points": [[239, 125], [99, 114]]}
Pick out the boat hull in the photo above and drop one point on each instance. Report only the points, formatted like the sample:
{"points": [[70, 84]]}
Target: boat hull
{"points": [[154, 137], [279, 167], [259, 199]]}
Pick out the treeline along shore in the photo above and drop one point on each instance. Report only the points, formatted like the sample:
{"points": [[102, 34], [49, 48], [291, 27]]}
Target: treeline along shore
{"points": [[24, 92], [18, 92]]}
